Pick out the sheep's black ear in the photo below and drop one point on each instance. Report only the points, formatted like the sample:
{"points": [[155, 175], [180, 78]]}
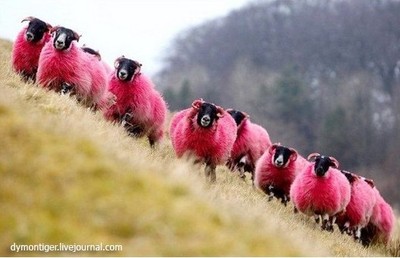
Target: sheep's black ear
{"points": [[197, 103], [116, 63], [312, 156], [29, 19], [370, 182], [77, 36], [54, 29], [48, 27], [220, 112], [272, 148], [293, 154], [333, 162]]}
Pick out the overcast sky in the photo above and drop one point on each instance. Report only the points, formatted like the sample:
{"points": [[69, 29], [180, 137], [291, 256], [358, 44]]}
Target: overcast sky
{"points": [[138, 29]]}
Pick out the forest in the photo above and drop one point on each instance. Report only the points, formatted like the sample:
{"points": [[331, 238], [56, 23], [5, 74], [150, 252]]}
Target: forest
{"points": [[320, 76]]}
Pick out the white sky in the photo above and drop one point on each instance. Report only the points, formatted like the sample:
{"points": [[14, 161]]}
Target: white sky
{"points": [[139, 29]]}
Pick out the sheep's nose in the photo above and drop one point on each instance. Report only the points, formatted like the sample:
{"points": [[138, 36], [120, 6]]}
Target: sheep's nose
{"points": [[122, 74], [205, 120], [320, 171], [279, 161], [59, 42], [29, 36]]}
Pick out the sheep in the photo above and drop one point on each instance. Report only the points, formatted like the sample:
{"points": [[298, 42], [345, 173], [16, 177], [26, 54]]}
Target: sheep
{"points": [[276, 170], [382, 222], [319, 190], [206, 132], [139, 106], [27, 47], [63, 64], [360, 208], [251, 142]]}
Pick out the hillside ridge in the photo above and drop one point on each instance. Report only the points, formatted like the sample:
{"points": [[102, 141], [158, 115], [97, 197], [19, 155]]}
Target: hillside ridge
{"points": [[68, 176]]}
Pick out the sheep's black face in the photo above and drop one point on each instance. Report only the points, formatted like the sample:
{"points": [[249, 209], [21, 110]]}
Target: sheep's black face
{"points": [[36, 30], [126, 68], [350, 176], [63, 38], [322, 164], [207, 114], [281, 156], [237, 116]]}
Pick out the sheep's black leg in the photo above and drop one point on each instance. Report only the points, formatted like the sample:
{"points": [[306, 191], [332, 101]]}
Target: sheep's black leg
{"points": [[241, 173], [151, 141], [252, 179], [316, 218], [210, 172], [26, 77], [285, 200], [270, 192], [240, 166], [126, 118], [327, 223], [357, 234], [66, 88], [346, 228]]}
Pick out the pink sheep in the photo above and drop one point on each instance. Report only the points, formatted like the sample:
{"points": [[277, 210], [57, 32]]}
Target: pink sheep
{"points": [[382, 222], [360, 208], [27, 47], [251, 142], [63, 64], [206, 132], [139, 106], [320, 190], [276, 170]]}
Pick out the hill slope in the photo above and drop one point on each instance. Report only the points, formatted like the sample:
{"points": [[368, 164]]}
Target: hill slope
{"points": [[67, 176]]}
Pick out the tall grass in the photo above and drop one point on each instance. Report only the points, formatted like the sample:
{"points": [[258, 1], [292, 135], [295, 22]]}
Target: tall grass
{"points": [[68, 176]]}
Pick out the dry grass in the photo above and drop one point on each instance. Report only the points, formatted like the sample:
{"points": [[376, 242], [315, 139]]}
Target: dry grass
{"points": [[68, 176]]}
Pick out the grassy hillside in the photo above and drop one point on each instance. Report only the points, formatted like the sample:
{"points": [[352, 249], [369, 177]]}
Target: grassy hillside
{"points": [[68, 176]]}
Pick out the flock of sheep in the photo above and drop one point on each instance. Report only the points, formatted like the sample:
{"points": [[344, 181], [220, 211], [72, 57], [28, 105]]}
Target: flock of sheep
{"points": [[209, 133]]}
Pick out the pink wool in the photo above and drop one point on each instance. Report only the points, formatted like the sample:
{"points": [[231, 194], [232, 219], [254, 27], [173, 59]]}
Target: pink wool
{"points": [[25, 55], [175, 121], [211, 145], [252, 140], [72, 66], [360, 207], [100, 82], [301, 164], [383, 218], [144, 102], [267, 173], [320, 195], [107, 68]]}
